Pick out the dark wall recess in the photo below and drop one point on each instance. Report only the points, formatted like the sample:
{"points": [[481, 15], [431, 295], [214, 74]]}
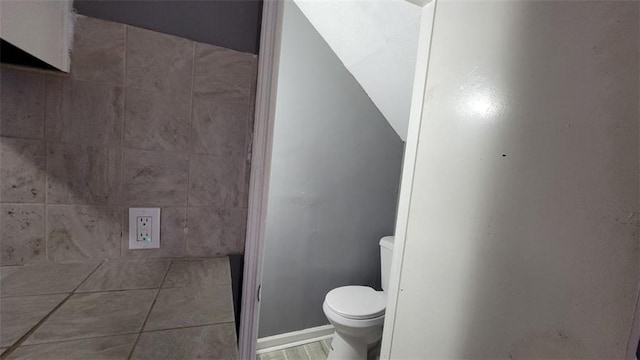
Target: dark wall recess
{"points": [[10, 54], [234, 24]]}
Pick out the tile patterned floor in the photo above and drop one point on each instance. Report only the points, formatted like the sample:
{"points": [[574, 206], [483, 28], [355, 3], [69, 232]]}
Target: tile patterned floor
{"points": [[133, 309], [313, 351]]}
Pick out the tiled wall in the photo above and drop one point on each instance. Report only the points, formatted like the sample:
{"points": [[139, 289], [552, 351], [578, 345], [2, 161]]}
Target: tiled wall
{"points": [[144, 119]]}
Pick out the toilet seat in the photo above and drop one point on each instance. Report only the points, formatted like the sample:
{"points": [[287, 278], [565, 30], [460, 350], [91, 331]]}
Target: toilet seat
{"points": [[356, 302]]}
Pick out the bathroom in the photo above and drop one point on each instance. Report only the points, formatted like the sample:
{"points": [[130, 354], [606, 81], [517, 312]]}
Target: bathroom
{"points": [[278, 153], [148, 119]]}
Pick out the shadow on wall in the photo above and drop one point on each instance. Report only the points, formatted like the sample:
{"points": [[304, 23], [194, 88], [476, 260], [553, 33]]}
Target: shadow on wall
{"points": [[333, 187], [170, 127], [540, 145]]}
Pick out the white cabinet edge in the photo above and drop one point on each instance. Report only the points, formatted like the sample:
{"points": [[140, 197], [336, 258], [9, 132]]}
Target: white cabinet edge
{"points": [[41, 28]]}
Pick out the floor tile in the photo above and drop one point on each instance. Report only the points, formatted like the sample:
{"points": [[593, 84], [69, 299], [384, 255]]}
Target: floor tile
{"points": [[96, 314], [297, 353], [205, 342], [102, 348], [192, 306], [316, 351], [126, 274], [43, 278], [19, 314], [184, 273], [274, 355]]}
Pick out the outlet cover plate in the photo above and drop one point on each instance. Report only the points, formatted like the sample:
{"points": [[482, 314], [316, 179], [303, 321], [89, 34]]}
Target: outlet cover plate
{"points": [[134, 214]]}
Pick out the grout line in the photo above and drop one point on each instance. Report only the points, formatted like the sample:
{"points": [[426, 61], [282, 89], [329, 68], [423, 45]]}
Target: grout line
{"points": [[189, 327], [166, 274], [33, 329], [46, 170], [80, 339], [123, 208], [144, 323], [185, 234], [88, 276], [115, 290], [124, 62]]}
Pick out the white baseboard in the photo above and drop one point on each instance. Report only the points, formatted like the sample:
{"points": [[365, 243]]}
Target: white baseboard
{"points": [[294, 338]]}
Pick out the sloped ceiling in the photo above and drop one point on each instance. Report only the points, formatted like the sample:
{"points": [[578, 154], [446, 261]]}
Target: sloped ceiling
{"points": [[377, 42]]}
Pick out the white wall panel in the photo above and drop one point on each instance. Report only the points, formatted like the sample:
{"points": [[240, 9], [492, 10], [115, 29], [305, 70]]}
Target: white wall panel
{"points": [[522, 231]]}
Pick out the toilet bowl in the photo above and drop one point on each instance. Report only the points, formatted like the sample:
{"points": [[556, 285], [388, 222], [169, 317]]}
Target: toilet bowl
{"points": [[357, 312]]}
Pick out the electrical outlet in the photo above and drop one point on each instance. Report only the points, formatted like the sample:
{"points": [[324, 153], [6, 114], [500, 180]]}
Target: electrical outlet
{"points": [[144, 228], [143, 231]]}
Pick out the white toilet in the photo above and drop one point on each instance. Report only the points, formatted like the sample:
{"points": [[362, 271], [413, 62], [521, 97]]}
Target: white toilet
{"points": [[357, 312]]}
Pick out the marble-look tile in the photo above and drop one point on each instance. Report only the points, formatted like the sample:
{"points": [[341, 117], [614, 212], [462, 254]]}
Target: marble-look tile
{"points": [[96, 314], [297, 353], [83, 174], [98, 50], [197, 272], [173, 222], [215, 232], [273, 355], [203, 342], [126, 274], [19, 314], [219, 128], [43, 279], [22, 175], [157, 61], [155, 178], [223, 74], [22, 234], [216, 181], [77, 232], [83, 111], [316, 351], [22, 103], [102, 348], [191, 306], [156, 121]]}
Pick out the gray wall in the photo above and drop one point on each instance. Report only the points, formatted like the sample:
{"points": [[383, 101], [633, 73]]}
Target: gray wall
{"points": [[171, 129], [234, 24], [334, 183]]}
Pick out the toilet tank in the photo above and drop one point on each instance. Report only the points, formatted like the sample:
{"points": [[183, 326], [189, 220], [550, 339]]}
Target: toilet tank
{"points": [[386, 253]]}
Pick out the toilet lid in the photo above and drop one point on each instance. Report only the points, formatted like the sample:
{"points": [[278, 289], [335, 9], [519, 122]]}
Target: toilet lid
{"points": [[356, 302]]}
